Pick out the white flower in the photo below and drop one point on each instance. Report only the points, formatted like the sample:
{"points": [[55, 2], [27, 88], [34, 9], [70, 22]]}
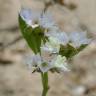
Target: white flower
{"points": [[57, 61], [62, 37], [52, 45], [35, 19], [79, 38], [45, 63], [60, 63], [33, 60], [29, 61], [46, 59], [44, 67], [37, 61], [30, 17], [46, 21], [26, 14]]}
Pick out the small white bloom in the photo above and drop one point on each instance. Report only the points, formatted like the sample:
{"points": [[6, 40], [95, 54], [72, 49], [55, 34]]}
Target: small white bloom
{"points": [[59, 62], [35, 19], [46, 21], [26, 14], [47, 55], [62, 37], [79, 38], [32, 61], [30, 17], [37, 61], [52, 45], [29, 61], [43, 61], [45, 66]]}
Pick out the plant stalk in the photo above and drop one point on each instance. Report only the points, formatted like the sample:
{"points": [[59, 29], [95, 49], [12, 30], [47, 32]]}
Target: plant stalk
{"points": [[45, 83]]}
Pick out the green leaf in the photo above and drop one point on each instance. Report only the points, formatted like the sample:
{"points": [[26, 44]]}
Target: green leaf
{"points": [[32, 36], [68, 51]]}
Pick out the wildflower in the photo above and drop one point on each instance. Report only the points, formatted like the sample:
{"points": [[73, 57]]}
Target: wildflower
{"points": [[60, 62], [46, 59], [26, 14], [45, 67], [29, 61], [38, 62], [62, 37], [30, 17], [79, 38], [46, 21], [45, 63], [52, 45], [32, 61], [36, 19]]}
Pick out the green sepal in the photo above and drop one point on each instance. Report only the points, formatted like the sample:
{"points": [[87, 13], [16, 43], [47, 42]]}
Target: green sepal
{"points": [[68, 51]]}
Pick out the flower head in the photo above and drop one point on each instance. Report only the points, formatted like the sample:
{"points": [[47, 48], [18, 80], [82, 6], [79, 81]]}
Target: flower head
{"points": [[35, 19], [62, 37], [45, 63], [79, 38], [60, 62], [26, 14], [46, 21], [30, 16], [52, 45], [33, 60]]}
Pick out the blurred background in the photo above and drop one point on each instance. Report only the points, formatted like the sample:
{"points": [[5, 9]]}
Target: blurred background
{"points": [[70, 15]]}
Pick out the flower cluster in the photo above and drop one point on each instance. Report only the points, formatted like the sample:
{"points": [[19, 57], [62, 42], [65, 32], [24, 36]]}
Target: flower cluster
{"points": [[55, 47]]}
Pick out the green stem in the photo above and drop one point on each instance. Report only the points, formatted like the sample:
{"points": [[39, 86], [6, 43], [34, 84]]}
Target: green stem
{"points": [[45, 83]]}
